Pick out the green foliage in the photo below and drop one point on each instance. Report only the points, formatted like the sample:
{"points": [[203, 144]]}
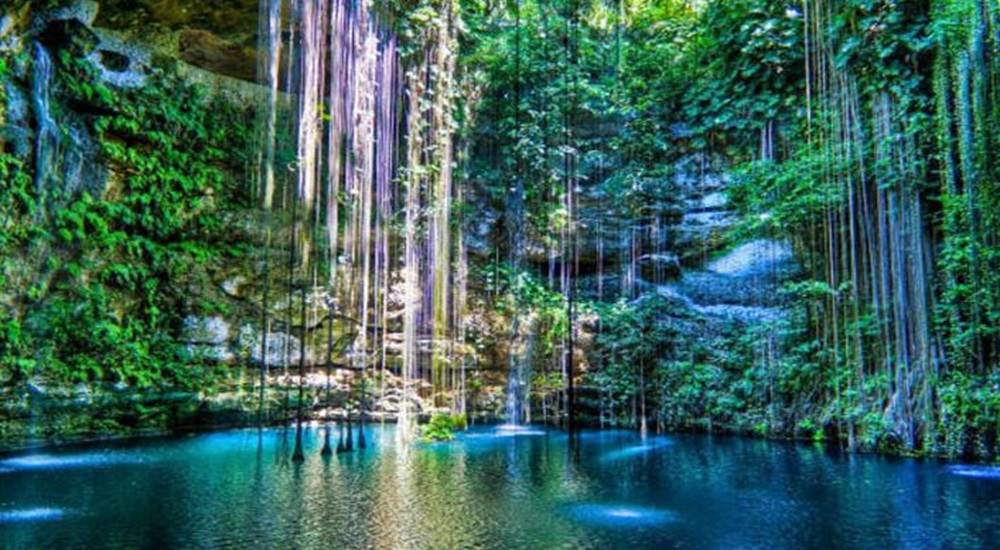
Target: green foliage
{"points": [[864, 132], [606, 87], [102, 302], [694, 392], [633, 348], [967, 115], [748, 55], [781, 198], [443, 426], [807, 426], [537, 99], [883, 43], [515, 289], [516, 292], [90, 343], [17, 203], [859, 192], [969, 415]]}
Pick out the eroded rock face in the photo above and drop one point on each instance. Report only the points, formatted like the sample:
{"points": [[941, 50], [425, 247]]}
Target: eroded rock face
{"points": [[659, 266], [205, 330], [71, 35], [283, 350], [210, 52], [15, 126], [219, 37], [759, 258], [114, 61], [701, 182], [208, 338], [84, 11], [228, 18]]}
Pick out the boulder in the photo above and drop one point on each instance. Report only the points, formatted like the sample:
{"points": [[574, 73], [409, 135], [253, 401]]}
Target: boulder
{"points": [[15, 19], [235, 286], [716, 200]]}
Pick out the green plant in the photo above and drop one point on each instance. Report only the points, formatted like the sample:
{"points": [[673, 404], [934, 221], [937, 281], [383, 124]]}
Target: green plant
{"points": [[97, 276], [443, 426]]}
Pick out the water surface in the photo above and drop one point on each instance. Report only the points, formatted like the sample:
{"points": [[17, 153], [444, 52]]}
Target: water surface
{"points": [[493, 488]]}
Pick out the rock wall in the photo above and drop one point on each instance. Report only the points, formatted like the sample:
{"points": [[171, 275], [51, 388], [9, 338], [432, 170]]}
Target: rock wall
{"points": [[673, 243], [219, 303]]}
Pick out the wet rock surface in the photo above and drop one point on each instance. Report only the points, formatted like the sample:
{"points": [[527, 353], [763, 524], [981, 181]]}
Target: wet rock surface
{"points": [[712, 289], [670, 244]]}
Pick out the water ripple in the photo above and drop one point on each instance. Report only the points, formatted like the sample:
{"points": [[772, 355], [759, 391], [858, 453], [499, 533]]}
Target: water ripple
{"points": [[635, 450], [620, 515], [54, 462], [31, 514], [982, 472]]}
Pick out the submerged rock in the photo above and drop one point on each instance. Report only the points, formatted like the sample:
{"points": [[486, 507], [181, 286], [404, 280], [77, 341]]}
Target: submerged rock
{"points": [[31, 514]]}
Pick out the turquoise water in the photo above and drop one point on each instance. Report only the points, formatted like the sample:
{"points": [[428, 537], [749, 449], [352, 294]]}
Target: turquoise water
{"points": [[493, 488]]}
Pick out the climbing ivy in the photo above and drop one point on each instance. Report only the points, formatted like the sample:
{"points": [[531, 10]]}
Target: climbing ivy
{"points": [[106, 301]]}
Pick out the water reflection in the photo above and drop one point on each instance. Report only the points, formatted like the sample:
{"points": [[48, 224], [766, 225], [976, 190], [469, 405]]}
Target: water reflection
{"points": [[508, 430], [649, 446], [620, 515], [54, 462], [982, 472], [31, 514], [489, 490]]}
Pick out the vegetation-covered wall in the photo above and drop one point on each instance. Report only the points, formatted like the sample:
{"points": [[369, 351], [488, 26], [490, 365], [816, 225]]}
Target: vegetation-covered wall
{"points": [[117, 203], [858, 131], [769, 217], [902, 305]]}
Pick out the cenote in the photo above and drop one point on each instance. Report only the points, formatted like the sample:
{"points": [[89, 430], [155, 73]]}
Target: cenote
{"points": [[747, 250], [490, 489]]}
